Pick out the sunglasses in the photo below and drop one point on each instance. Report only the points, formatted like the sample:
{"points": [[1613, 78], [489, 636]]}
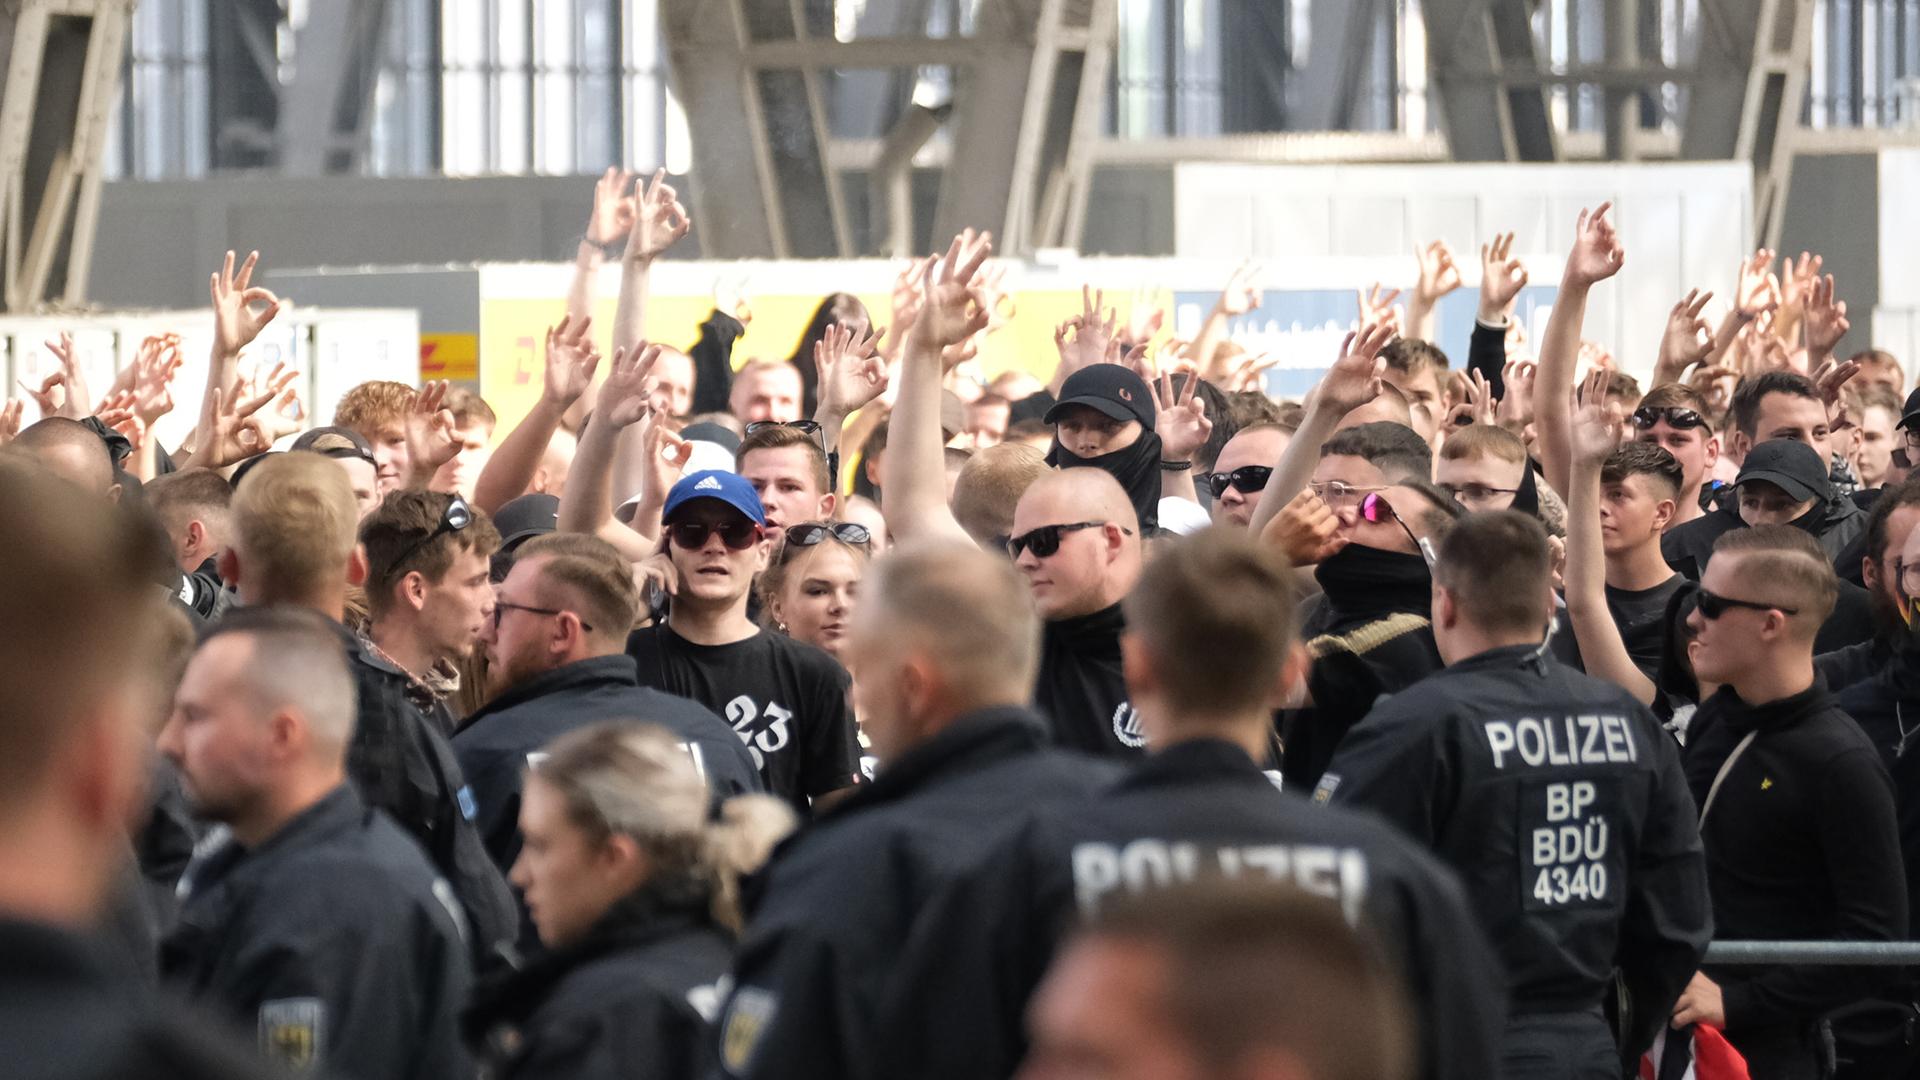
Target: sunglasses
{"points": [[1247, 480], [1376, 508], [1713, 605], [808, 533], [1045, 540], [458, 515], [808, 426], [1676, 416], [692, 535], [501, 607]]}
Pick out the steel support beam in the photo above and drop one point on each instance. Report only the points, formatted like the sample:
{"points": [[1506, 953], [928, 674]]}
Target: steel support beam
{"points": [[1505, 119], [325, 110], [1322, 93]]}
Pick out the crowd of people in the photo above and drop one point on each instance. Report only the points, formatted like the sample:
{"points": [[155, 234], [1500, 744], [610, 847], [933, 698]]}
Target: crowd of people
{"points": [[848, 714]]}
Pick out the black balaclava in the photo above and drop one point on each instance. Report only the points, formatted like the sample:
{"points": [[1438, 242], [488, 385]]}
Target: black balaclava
{"points": [[1136, 467]]}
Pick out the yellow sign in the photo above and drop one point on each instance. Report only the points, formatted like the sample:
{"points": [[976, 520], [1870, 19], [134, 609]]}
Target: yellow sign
{"points": [[450, 356]]}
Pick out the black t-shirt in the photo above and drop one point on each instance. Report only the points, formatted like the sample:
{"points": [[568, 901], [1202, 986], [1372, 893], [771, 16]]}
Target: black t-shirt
{"points": [[785, 699], [1641, 618]]}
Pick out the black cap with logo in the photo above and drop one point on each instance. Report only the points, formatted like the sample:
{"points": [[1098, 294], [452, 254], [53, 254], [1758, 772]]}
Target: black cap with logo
{"points": [[1111, 389]]}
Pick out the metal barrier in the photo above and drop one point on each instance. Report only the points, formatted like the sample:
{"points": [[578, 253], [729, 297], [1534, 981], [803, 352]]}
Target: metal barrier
{"points": [[1844, 953]]}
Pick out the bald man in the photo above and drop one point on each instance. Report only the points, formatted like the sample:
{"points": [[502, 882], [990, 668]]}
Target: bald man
{"points": [[947, 648], [317, 922], [71, 451], [1076, 540]]}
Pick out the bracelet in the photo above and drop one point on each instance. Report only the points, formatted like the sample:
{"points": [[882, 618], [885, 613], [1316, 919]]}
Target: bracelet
{"points": [[1175, 466]]}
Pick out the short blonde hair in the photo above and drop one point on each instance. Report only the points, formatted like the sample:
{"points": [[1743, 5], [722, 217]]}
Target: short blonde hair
{"points": [[990, 485], [1483, 440], [593, 571], [294, 526], [968, 608]]}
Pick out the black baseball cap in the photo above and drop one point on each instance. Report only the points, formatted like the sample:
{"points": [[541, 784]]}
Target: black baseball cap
{"points": [[519, 521], [1910, 412], [1111, 389], [1790, 465], [336, 442]]}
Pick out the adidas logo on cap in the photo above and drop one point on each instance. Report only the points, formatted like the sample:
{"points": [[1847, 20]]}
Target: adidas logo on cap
{"points": [[707, 484]]}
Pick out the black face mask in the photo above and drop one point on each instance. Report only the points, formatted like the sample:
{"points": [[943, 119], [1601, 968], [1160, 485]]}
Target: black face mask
{"points": [[1136, 467]]}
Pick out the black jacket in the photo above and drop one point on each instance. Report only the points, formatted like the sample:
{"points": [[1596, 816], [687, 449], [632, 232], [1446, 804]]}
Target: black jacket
{"points": [[1372, 635], [1844, 668], [401, 763], [1802, 844], [838, 902], [634, 998], [334, 940], [1836, 525], [1082, 691], [1561, 804], [712, 359], [494, 746], [1193, 808], [68, 1013]]}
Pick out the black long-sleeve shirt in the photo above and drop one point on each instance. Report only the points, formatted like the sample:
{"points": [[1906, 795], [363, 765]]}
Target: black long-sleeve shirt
{"points": [[712, 359]]}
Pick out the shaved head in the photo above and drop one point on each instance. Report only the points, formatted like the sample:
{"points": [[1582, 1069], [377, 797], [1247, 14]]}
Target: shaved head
{"points": [[1093, 558], [70, 450], [1090, 493]]}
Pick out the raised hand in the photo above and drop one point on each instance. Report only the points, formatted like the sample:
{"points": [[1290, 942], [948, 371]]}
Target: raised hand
{"points": [[151, 375], [950, 310], [1249, 370], [613, 208], [571, 362], [68, 354], [1377, 307], [1242, 293], [1501, 278], [431, 441], [1181, 419], [659, 221], [1092, 335], [1687, 339], [1798, 279], [235, 429], [664, 453], [850, 373], [235, 322], [1515, 411], [1438, 274], [52, 395], [1596, 431], [1597, 254], [906, 296], [730, 295], [10, 420], [991, 292], [1829, 378], [1305, 531], [1825, 319], [1354, 379], [1757, 291], [628, 389]]}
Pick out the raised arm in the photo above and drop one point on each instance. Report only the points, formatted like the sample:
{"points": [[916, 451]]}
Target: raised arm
{"points": [[850, 376], [235, 325], [1687, 339], [1183, 427], [587, 504], [1824, 319], [1438, 277], [610, 220], [571, 363], [914, 472], [1351, 382], [1502, 276], [1241, 296], [1756, 293], [658, 222], [1596, 256], [1595, 434]]}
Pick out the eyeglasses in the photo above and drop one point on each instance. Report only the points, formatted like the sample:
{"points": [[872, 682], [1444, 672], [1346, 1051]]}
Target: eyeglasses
{"points": [[808, 533], [692, 535], [501, 607], [1911, 438], [1713, 605], [458, 515], [1908, 575], [1475, 493], [1247, 480], [1337, 493], [1376, 508], [1676, 416], [810, 427], [1045, 540]]}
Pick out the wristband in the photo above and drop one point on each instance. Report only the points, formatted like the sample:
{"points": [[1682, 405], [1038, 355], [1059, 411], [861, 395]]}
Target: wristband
{"points": [[1175, 466]]}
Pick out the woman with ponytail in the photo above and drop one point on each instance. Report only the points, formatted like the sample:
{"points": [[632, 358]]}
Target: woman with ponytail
{"points": [[634, 890]]}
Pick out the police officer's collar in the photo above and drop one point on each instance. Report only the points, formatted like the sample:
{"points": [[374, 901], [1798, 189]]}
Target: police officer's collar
{"points": [[970, 743], [1503, 657], [616, 669], [1192, 759]]}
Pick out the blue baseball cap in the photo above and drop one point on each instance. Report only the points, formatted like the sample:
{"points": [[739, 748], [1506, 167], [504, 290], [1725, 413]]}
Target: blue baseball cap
{"points": [[730, 488]]}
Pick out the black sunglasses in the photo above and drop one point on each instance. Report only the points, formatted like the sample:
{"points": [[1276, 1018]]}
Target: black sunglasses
{"points": [[808, 426], [501, 607], [1247, 480], [1678, 416], [1045, 540], [458, 515], [692, 535], [808, 533], [1713, 605]]}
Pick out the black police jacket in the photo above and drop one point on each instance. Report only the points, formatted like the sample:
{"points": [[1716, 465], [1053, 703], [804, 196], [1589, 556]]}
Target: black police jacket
{"points": [[69, 1013], [635, 997], [1194, 808], [401, 763], [1562, 805], [1802, 844], [334, 940], [497, 741], [1887, 708], [839, 900]]}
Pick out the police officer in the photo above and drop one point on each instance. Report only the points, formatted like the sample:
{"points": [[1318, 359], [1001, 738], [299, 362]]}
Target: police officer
{"points": [[946, 643], [318, 923], [72, 759], [295, 523], [1556, 797], [1198, 805]]}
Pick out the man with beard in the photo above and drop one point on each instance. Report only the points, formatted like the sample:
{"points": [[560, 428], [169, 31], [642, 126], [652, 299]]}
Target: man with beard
{"points": [[1890, 523], [556, 662]]}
